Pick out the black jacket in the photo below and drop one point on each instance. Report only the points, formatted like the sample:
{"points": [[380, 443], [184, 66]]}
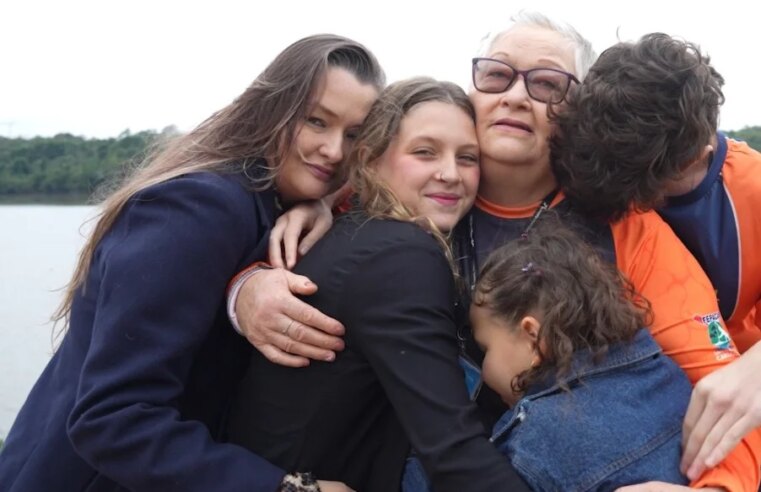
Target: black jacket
{"points": [[391, 286]]}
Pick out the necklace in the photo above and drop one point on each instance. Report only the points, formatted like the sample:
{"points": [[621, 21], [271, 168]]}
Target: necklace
{"points": [[471, 261], [544, 205]]}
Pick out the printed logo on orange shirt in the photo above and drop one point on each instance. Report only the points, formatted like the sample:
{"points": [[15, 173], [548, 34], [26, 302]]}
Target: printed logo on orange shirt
{"points": [[716, 332]]}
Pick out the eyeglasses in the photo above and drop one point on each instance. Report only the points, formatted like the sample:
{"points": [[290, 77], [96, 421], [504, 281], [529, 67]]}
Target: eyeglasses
{"points": [[545, 85]]}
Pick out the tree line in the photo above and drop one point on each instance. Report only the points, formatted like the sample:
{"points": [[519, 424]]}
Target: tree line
{"points": [[749, 134], [68, 164]]}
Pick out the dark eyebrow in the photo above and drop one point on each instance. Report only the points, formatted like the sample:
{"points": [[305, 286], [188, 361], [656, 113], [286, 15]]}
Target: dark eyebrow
{"points": [[424, 139], [471, 148], [434, 141], [325, 110], [542, 62]]}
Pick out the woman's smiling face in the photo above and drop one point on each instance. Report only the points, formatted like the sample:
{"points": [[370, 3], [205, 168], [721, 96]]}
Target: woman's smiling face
{"points": [[324, 138], [432, 163], [512, 127]]}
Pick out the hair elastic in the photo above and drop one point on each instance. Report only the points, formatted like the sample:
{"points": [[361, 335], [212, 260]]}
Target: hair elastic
{"points": [[531, 269]]}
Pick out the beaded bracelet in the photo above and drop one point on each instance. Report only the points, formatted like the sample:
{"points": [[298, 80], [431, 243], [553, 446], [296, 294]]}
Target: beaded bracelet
{"points": [[299, 482]]}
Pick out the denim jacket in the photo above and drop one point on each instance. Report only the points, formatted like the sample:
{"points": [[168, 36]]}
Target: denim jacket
{"points": [[620, 423]]}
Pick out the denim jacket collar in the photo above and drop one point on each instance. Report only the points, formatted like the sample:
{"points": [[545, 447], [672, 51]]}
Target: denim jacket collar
{"points": [[618, 356]]}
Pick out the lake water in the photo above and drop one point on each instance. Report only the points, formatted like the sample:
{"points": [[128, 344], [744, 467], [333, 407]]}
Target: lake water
{"points": [[38, 249]]}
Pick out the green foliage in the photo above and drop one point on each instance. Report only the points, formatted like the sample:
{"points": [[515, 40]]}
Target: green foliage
{"points": [[67, 164], [750, 134]]}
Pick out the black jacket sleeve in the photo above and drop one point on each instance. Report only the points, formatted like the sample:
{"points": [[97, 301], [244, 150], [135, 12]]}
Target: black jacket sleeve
{"points": [[402, 318]]}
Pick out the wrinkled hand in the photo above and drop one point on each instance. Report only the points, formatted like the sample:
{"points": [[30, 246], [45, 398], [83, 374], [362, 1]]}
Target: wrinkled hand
{"points": [[326, 486], [662, 487], [286, 330], [313, 218], [725, 406]]}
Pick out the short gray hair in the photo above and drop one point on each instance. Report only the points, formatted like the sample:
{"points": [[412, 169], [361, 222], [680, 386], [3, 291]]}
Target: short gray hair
{"points": [[584, 54]]}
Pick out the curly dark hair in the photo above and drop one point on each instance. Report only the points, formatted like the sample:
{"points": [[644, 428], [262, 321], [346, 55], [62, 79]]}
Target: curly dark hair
{"points": [[645, 111], [582, 301]]}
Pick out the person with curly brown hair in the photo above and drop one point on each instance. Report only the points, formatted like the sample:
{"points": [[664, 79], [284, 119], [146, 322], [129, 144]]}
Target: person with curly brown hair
{"points": [[641, 133], [564, 340]]}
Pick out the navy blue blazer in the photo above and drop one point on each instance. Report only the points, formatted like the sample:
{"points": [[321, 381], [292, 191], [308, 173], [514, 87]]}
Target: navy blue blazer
{"points": [[135, 395]]}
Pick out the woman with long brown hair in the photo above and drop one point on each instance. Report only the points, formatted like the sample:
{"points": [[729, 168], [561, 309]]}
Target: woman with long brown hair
{"points": [[134, 396]]}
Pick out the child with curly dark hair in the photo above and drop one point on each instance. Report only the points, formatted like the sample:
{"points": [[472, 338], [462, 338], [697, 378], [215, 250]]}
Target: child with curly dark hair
{"points": [[595, 403]]}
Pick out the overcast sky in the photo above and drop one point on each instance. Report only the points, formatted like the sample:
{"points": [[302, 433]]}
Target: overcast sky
{"points": [[96, 68]]}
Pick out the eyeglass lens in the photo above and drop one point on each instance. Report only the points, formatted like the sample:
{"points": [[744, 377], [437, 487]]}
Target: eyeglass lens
{"points": [[542, 84]]}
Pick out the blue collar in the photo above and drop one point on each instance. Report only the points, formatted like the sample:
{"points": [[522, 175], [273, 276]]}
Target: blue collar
{"points": [[714, 169], [619, 355]]}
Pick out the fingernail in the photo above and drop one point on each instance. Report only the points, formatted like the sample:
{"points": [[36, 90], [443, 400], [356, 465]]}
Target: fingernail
{"points": [[330, 357]]}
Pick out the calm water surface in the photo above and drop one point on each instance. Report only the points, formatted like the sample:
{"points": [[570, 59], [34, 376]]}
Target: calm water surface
{"points": [[38, 249]]}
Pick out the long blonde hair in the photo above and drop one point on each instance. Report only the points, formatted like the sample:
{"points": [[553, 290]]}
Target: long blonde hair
{"points": [[379, 129], [258, 125]]}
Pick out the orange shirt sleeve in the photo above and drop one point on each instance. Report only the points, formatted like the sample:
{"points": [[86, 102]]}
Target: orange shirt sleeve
{"points": [[686, 322], [342, 202], [686, 319], [741, 174], [739, 471]]}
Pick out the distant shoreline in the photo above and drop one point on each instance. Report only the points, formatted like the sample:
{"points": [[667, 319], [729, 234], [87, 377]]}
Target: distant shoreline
{"points": [[45, 199]]}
